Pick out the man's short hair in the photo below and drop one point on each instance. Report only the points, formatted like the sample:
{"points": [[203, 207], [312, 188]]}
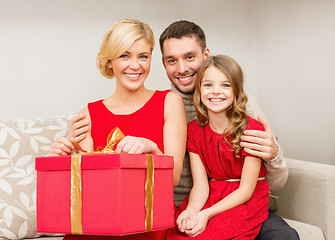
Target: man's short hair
{"points": [[183, 28]]}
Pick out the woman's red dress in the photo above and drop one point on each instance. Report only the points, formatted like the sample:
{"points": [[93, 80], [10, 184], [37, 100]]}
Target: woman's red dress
{"points": [[146, 122]]}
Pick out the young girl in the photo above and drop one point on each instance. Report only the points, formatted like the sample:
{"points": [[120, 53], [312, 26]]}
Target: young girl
{"points": [[229, 198], [153, 121]]}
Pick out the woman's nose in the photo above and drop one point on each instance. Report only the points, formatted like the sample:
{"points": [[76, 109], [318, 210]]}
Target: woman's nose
{"points": [[134, 64]]}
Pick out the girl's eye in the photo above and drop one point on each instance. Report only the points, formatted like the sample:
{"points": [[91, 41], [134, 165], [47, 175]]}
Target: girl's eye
{"points": [[226, 85], [207, 85], [124, 56]]}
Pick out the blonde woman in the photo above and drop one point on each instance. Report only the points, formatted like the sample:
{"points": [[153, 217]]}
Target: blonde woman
{"points": [[153, 121]]}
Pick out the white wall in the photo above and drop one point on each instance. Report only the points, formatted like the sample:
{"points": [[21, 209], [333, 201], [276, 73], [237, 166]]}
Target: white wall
{"points": [[48, 50], [295, 73]]}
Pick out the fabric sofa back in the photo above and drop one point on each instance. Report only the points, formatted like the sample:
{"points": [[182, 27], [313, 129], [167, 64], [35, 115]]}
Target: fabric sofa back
{"points": [[20, 142]]}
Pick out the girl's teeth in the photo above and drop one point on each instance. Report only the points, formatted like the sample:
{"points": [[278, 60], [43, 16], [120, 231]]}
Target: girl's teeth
{"points": [[216, 100]]}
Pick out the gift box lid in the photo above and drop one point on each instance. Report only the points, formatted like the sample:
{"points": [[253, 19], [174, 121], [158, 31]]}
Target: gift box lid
{"points": [[102, 161]]}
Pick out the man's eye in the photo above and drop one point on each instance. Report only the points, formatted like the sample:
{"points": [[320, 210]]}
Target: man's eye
{"points": [[171, 61], [190, 57]]}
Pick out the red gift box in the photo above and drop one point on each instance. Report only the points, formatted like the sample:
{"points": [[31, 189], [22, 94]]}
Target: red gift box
{"points": [[112, 191]]}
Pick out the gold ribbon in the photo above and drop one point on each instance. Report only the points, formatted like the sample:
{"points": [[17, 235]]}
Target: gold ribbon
{"points": [[149, 192], [76, 197], [114, 137]]}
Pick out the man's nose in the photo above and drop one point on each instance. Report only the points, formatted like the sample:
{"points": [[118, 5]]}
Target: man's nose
{"points": [[182, 67]]}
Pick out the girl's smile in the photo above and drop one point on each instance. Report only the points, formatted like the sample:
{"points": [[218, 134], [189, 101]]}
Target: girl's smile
{"points": [[216, 91]]}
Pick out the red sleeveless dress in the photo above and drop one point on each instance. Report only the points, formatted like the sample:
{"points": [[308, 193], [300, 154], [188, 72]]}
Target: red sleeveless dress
{"points": [[146, 122]]}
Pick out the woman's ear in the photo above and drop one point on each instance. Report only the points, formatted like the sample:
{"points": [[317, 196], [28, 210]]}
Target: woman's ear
{"points": [[109, 64]]}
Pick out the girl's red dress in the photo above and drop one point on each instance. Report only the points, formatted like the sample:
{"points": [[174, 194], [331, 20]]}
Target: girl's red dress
{"points": [[146, 122], [241, 222]]}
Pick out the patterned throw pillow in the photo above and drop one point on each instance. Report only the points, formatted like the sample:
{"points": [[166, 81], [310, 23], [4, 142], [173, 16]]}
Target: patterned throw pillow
{"points": [[20, 142]]}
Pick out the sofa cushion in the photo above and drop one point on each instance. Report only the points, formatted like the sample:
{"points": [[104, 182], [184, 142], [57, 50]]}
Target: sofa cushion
{"points": [[46, 238], [20, 142], [306, 231]]}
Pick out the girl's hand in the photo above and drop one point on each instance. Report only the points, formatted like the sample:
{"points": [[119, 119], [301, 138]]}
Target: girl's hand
{"points": [[260, 144], [137, 145], [200, 221], [61, 147], [185, 221]]}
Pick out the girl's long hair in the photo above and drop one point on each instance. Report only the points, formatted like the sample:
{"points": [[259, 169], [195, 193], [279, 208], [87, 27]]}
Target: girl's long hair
{"points": [[236, 113]]}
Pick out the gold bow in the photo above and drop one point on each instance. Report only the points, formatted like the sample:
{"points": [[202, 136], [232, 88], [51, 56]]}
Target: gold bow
{"points": [[114, 137]]}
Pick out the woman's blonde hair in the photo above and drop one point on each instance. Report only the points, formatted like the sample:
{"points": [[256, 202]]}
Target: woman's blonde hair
{"points": [[118, 39], [236, 113]]}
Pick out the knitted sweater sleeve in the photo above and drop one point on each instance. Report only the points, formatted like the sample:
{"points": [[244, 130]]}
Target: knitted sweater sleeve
{"points": [[277, 168]]}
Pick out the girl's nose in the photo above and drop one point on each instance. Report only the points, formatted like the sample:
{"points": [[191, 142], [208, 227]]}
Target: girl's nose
{"points": [[217, 89]]}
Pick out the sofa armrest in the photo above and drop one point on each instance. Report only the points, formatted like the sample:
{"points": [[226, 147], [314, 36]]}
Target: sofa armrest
{"points": [[309, 195]]}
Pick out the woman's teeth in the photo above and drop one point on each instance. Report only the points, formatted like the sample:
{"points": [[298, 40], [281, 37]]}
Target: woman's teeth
{"points": [[133, 75]]}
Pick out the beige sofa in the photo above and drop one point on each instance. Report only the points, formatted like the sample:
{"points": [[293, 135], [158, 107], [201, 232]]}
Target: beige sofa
{"points": [[308, 198]]}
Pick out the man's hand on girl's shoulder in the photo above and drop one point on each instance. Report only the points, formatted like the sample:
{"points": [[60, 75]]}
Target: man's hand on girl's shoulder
{"points": [[260, 144]]}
